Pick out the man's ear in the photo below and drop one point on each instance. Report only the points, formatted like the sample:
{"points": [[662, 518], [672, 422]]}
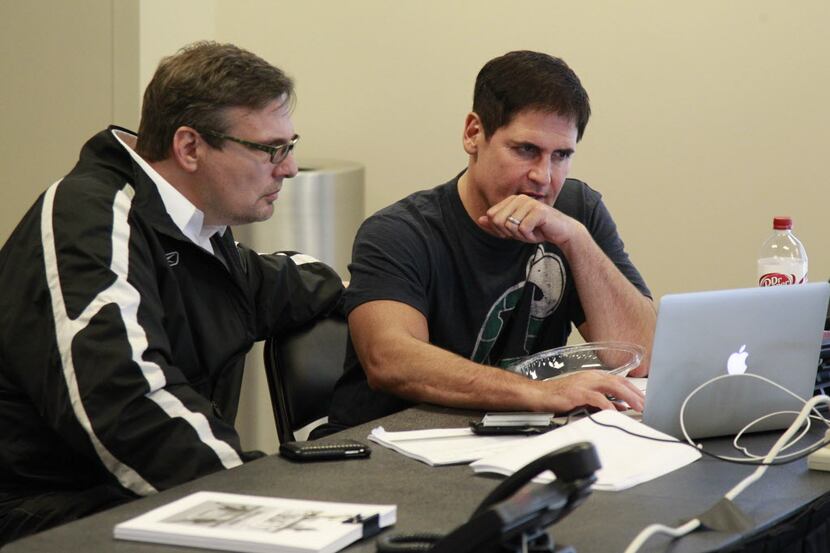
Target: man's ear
{"points": [[186, 148], [473, 133]]}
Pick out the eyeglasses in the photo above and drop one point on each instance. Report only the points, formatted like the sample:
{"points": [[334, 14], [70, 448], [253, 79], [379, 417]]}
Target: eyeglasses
{"points": [[277, 153]]}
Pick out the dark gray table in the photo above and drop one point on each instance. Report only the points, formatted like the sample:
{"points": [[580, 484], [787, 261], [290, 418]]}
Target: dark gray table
{"points": [[438, 499]]}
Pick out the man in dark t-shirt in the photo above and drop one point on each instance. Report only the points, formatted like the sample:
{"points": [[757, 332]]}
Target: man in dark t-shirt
{"points": [[452, 284]]}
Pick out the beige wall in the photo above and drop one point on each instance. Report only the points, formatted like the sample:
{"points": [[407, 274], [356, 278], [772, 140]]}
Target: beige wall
{"points": [[69, 69], [709, 117], [56, 91]]}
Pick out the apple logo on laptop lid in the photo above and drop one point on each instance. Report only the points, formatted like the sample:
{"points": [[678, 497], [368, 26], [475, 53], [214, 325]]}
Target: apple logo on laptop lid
{"points": [[736, 364]]}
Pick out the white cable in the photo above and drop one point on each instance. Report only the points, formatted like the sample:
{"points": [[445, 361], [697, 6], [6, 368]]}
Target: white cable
{"points": [[693, 524], [744, 429], [804, 430], [654, 529], [779, 443]]}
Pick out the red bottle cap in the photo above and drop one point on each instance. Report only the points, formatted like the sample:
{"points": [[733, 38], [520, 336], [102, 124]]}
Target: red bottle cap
{"points": [[782, 223]]}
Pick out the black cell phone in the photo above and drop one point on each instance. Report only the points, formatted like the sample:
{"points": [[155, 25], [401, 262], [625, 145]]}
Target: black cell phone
{"points": [[489, 430], [330, 451]]}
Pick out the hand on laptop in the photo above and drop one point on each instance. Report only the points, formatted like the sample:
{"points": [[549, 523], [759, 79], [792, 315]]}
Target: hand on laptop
{"points": [[592, 389]]}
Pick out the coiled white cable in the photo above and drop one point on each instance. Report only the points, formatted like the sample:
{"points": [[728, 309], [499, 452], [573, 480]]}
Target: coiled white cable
{"points": [[750, 456], [654, 529]]}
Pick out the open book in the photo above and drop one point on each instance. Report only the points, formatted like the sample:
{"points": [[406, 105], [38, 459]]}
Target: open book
{"points": [[233, 522]]}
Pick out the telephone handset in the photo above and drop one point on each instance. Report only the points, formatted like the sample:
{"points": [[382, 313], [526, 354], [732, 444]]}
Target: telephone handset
{"points": [[515, 515]]}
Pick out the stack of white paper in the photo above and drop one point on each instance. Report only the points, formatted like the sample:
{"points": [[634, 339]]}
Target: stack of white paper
{"points": [[626, 460], [443, 446], [233, 522]]}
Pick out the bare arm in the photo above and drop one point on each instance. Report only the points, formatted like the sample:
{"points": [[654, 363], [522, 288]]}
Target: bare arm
{"points": [[614, 309], [392, 342]]}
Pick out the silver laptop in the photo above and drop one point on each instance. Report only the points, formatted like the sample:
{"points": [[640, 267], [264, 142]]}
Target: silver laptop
{"points": [[774, 332]]}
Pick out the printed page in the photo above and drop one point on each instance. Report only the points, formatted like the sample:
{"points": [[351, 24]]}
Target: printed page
{"points": [[626, 460], [443, 446]]}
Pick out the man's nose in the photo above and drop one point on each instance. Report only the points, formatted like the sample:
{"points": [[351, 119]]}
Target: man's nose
{"points": [[287, 168], [542, 172]]}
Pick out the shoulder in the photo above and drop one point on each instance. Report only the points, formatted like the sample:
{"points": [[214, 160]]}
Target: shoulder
{"points": [[577, 199], [416, 213], [95, 200], [424, 202], [103, 170]]}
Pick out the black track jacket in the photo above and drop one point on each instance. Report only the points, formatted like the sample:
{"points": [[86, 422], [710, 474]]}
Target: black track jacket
{"points": [[122, 342]]}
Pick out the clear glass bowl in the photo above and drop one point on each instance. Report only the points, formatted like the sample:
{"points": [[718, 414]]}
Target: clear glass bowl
{"points": [[614, 357]]}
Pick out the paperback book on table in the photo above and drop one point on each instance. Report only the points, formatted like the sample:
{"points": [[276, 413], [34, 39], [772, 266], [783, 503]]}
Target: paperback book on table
{"points": [[233, 522]]}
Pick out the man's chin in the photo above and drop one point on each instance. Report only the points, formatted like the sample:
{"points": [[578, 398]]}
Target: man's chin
{"points": [[258, 217], [266, 213]]}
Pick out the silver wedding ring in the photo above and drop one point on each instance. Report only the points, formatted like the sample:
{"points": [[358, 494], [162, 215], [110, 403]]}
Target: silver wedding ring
{"points": [[513, 220]]}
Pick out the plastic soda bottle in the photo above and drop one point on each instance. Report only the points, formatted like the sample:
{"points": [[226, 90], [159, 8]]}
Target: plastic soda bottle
{"points": [[782, 259]]}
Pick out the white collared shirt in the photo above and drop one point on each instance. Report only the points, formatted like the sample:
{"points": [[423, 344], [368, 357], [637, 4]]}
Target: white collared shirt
{"points": [[186, 216]]}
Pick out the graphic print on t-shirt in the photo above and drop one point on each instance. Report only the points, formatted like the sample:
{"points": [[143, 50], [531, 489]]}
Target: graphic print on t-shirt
{"points": [[537, 296]]}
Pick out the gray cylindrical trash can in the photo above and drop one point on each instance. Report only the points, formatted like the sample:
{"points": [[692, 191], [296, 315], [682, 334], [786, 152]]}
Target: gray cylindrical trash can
{"points": [[317, 213]]}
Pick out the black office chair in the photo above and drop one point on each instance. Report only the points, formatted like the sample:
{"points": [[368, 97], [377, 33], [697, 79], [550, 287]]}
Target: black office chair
{"points": [[302, 367]]}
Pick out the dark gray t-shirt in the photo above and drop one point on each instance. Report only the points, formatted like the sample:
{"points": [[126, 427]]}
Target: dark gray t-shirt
{"points": [[489, 299]]}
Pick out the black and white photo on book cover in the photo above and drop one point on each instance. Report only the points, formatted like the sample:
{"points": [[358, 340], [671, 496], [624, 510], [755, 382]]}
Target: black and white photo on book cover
{"points": [[236, 522]]}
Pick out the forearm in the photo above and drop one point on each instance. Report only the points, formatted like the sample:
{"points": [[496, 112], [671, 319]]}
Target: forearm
{"points": [[421, 372], [290, 291], [614, 308], [391, 340]]}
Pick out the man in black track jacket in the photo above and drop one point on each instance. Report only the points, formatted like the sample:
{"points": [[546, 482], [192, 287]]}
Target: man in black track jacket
{"points": [[126, 308]]}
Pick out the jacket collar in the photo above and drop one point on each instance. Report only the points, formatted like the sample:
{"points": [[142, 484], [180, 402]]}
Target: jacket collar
{"points": [[162, 204]]}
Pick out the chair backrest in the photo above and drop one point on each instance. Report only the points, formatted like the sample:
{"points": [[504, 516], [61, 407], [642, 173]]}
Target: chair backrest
{"points": [[302, 367]]}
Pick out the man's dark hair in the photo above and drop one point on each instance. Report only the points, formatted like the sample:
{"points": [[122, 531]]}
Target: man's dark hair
{"points": [[196, 85], [524, 80]]}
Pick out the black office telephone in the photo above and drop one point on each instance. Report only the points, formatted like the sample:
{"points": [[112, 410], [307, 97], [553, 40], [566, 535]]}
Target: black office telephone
{"points": [[515, 516]]}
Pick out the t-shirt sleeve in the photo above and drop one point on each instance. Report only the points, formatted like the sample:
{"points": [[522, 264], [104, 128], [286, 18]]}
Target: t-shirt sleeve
{"points": [[390, 261]]}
